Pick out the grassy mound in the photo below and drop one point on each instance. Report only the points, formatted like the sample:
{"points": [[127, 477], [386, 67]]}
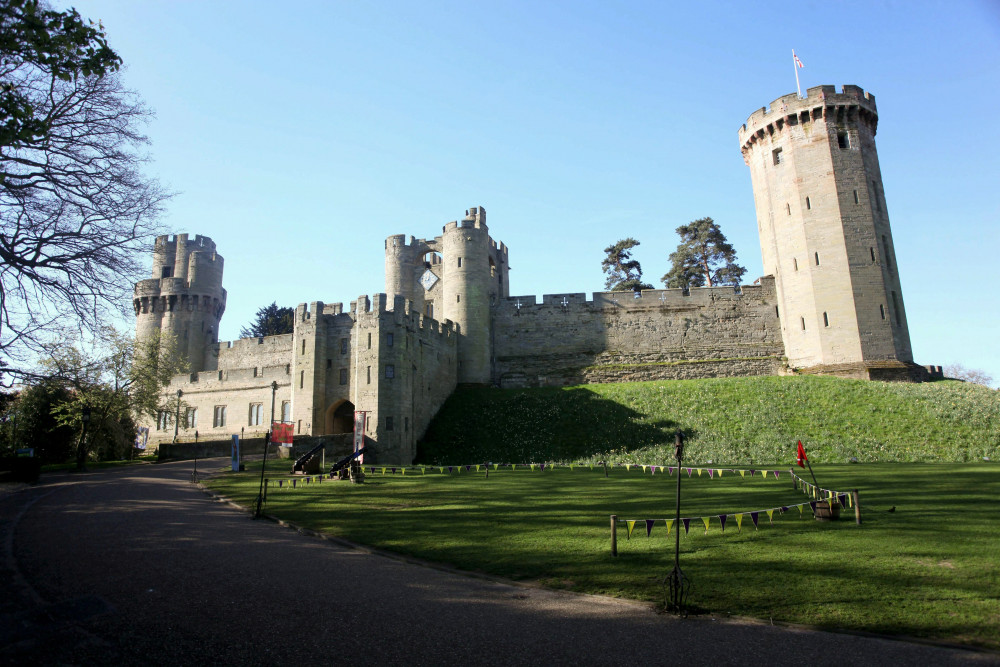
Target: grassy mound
{"points": [[728, 421]]}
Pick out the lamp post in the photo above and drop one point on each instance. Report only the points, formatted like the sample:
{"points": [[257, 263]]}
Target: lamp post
{"points": [[177, 421], [259, 510], [677, 583], [81, 452]]}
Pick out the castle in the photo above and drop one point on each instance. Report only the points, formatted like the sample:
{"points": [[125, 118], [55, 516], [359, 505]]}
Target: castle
{"points": [[831, 303]]}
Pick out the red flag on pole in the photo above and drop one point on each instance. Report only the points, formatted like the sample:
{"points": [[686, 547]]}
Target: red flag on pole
{"points": [[801, 457]]}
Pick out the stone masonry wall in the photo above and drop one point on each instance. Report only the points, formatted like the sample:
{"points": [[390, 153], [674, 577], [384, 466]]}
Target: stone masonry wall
{"points": [[567, 339]]}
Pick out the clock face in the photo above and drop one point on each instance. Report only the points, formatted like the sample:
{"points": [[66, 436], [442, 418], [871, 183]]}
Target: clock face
{"points": [[428, 280]]}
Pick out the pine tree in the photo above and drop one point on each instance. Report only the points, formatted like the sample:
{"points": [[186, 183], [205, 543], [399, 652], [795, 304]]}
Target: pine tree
{"points": [[270, 321], [624, 273], [703, 257]]}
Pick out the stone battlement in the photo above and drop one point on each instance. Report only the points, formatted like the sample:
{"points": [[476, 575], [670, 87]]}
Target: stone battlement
{"points": [[648, 299], [402, 312], [818, 97]]}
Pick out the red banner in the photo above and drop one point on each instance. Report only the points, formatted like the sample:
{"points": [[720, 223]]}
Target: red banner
{"points": [[281, 433]]}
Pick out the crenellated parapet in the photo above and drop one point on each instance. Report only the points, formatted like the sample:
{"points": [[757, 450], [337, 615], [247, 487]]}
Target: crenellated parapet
{"points": [[851, 106], [379, 310]]}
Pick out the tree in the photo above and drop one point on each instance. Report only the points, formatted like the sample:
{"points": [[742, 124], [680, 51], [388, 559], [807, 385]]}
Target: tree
{"points": [[270, 321], [624, 273], [703, 257], [76, 213], [973, 375], [122, 382]]}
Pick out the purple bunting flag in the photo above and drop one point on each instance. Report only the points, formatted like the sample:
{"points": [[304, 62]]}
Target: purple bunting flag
{"points": [[294, 482], [281, 483], [722, 520], [776, 474], [670, 471], [449, 468], [752, 471], [687, 525], [710, 473], [783, 509], [652, 469], [689, 472], [812, 504], [842, 499], [754, 517], [649, 526]]}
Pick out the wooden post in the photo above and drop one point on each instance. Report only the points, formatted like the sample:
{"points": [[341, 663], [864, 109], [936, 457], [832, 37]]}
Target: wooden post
{"points": [[487, 471], [857, 507], [605, 468], [614, 534]]}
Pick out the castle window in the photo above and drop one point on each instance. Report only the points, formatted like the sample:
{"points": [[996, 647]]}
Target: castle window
{"points": [[406, 424], [788, 209], [881, 310], [776, 155], [803, 323], [302, 379], [875, 196], [826, 320], [162, 420], [256, 411], [329, 364], [459, 262], [389, 339], [817, 258], [885, 248], [388, 423], [872, 251], [369, 340], [458, 298], [430, 309], [776, 314], [369, 375], [303, 346], [300, 426], [191, 418], [390, 371], [856, 197], [843, 139], [895, 310], [286, 411], [165, 273], [343, 376], [808, 204], [220, 375], [255, 371], [344, 343], [219, 416], [795, 263]]}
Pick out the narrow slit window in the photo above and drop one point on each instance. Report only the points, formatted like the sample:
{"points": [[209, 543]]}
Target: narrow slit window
{"points": [[776, 313], [343, 376], [856, 201], [881, 310], [895, 310], [369, 376], [388, 423], [776, 155], [816, 255], [795, 263], [885, 249], [843, 139], [458, 298], [803, 321], [329, 363], [808, 204], [389, 339], [872, 251], [390, 371], [826, 320], [303, 346], [302, 379], [344, 345], [369, 340], [459, 262], [788, 209]]}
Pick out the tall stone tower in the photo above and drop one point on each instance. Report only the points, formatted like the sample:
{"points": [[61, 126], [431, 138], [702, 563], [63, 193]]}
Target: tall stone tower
{"points": [[184, 298], [824, 233]]}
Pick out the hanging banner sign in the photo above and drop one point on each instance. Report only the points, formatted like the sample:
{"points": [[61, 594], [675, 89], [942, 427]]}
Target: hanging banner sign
{"points": [[281, 433], [236, 452], [360, 421]]}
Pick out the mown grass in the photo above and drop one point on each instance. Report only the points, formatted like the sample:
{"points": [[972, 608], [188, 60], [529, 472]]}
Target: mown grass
{"points": [[928, 569], [745, 421]]}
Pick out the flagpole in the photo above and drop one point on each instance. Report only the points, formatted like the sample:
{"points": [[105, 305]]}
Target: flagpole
{"points": [[795, 66]]}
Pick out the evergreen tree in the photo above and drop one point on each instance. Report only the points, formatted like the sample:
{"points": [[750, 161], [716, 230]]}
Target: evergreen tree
{"points": [[624, 273], [270, 321], [703, 257]]}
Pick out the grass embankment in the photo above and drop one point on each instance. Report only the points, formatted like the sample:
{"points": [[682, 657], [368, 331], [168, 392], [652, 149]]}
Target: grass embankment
{"points": [[732, 421], [928, 569]]}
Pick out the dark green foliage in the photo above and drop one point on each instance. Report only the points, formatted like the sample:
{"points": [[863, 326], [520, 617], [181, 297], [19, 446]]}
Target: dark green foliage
{"points": [[624, 273], [59, 43], [704, 257], [270, 321], [30, 422]]}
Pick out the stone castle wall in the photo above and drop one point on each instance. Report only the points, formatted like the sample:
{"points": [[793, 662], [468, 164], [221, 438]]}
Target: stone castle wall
{"points": [[707, 332]]}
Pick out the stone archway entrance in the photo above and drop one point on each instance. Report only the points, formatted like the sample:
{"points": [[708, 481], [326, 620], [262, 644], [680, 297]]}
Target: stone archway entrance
{"points": [[340, 418]]}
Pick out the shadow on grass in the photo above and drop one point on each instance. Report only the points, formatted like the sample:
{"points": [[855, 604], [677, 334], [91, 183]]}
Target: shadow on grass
{"points": [[549, 424]]}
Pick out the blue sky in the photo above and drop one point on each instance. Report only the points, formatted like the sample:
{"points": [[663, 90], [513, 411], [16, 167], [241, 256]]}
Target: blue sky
{"points": [[299, 138]]}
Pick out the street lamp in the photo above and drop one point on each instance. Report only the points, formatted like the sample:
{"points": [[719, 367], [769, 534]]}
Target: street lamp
{"points": [[81, 453], [677, 584], [259, 509], [177, 422]]}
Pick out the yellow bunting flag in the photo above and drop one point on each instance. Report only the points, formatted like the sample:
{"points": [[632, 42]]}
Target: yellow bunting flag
{"points": [[423, 470], [496, 465], [739, 523], [800, 508], [850, 500], [719, 472], [763, 474], [477, 468], [383, 470], [706, 520], [699, 472], [402, 471], [441, 469], [628, 467], [743, 474], [670, 524], [644, 469], [591, 466], [532, 466], [631, 524], [770, 516], [570, 466]]}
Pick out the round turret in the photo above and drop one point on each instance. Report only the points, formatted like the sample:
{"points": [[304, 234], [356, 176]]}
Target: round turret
{"points": [[184, 299], [469, 287]]}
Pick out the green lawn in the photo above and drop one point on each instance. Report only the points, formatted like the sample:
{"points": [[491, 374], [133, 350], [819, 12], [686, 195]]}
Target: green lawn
{"points": [[746, 421], [929, 569]]}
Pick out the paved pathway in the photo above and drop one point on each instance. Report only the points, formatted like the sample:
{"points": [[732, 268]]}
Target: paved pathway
{"points": [[138, 566]]}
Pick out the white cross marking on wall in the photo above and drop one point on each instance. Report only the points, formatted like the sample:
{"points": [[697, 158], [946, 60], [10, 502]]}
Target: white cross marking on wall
{"points": [[518, 305], [663, 297], [565, 302]]}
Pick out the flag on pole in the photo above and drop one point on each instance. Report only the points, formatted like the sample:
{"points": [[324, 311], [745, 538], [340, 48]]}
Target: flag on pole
{"points": [[798, 63], [801, 457]]}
